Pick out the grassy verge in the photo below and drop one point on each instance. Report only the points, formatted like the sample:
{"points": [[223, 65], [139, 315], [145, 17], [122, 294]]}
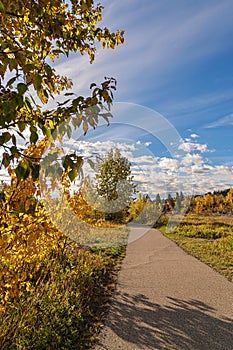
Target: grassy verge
{"points": [[209, 238], [67, 299]]}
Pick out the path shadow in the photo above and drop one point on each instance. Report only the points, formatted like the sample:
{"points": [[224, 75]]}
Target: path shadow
{"points": [[180, 324]]}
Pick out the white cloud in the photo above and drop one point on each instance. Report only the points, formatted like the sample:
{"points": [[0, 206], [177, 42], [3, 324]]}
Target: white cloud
{"points": [[190, 173], [194, 136], [191, 146], [223, 170], [147, 144], [195, 32], [225, 121], [191, 159], [168, 163], [100, 148], [160, 40], [145, 159]]}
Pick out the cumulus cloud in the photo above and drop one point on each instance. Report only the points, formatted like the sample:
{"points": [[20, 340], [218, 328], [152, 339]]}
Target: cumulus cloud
{"points": [[147, 144], [190, 172], [145, 159], [168, 163], [191, 159], [192, 146], [194, 136], [100, 148]]}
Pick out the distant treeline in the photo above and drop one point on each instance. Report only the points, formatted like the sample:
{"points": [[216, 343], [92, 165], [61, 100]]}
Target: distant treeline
{"points": [[218, 202], [142, 209], [146, 210]]}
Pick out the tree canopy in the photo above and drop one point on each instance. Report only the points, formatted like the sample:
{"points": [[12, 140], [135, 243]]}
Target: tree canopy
{"points": [[33, 35], [114, 179]]}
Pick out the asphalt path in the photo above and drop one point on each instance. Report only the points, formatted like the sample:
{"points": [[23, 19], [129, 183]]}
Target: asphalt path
{"points": [[167, 299]]}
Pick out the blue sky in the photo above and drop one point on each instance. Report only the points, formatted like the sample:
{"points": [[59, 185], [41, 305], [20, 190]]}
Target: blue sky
{"points": [[176, 60]]}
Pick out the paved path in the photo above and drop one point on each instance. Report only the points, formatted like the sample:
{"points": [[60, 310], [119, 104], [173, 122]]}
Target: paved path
{"points": [[166, 299]]}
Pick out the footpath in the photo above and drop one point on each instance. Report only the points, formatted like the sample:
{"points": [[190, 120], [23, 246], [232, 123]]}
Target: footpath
{"points": [[167, 299]]}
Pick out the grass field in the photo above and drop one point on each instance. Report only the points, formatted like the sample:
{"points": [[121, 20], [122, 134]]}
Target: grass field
{"points": [[209, 238]]}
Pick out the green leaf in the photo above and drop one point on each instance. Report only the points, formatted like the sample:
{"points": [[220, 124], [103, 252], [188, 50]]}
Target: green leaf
{"points": [[47, 132], [35, 171], [14, 150], [72, 174], [13, 140], [37, 81], [5, 159], [33, 137], [22, 88], [69, 131], [48, 69], [79, 162], [29, 67], [4, 138], [55, 133], [67, 162], [20, 172], [2, 196], [6, 107], [22, 126], [33, 128], [27, 172], [77, 121]]}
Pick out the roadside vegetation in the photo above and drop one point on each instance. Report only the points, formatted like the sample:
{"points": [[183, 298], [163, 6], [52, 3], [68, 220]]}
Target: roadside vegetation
{"points": [[54, 291], [206, 231]]}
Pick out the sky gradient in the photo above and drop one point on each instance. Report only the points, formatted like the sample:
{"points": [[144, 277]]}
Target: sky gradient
{"points": [[177, 61]]}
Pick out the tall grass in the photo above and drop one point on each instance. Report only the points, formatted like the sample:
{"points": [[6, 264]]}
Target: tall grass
{"points": [[66, 302]]}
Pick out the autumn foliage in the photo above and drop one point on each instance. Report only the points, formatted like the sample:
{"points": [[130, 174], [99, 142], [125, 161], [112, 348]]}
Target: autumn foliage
{"points": [[52, 289]]}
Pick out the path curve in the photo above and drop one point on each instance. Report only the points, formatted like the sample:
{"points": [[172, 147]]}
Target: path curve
{"points": [[167, 299]]}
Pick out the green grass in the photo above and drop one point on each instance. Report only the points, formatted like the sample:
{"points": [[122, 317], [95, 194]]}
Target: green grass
{"points": [[209, 238]]}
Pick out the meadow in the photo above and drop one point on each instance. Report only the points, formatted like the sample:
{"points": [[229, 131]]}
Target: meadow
{"points": [[207, 237]]}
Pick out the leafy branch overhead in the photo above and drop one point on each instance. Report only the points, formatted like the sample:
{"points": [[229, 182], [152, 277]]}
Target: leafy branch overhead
{"points": [[33, 35]]}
